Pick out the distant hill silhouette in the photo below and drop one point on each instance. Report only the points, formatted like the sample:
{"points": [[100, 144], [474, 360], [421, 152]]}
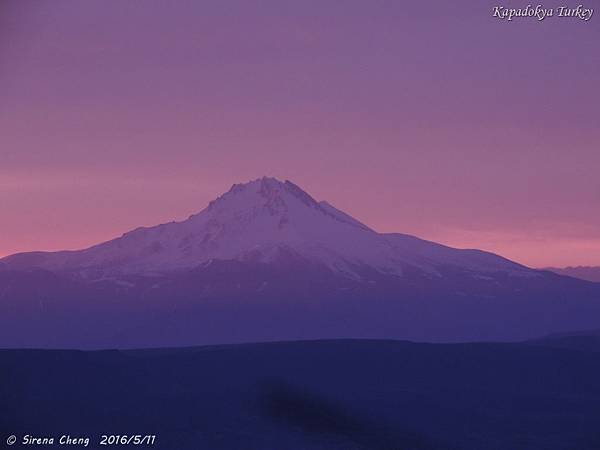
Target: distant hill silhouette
{"points": [[582, 340], [588, 273]]}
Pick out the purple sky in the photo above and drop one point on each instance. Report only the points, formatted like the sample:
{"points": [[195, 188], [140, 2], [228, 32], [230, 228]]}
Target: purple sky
{"points": [[430, 118]]}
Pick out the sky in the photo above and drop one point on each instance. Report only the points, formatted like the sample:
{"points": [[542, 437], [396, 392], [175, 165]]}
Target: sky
{"points": [[428, 118]]}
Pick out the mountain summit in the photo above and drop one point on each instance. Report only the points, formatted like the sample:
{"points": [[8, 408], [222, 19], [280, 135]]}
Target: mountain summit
{"points": [[265, 220]]}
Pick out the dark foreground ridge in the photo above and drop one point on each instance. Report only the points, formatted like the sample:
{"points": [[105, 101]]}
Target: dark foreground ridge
{"points": [[344, 394]]}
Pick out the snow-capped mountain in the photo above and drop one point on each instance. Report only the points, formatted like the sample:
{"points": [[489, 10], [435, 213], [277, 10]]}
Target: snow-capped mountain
{"points": [[262, 221], [266, 261]]}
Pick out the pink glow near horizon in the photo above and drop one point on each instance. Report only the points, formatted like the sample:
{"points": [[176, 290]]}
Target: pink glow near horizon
{"points": [[433, 120]]}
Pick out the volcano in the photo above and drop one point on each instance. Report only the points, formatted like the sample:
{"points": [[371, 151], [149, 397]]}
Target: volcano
{"points": [[266, 261]]}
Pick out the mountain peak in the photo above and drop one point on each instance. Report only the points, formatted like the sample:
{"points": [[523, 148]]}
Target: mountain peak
{"points": [[269, 186], [264, 183], [267, 192]]}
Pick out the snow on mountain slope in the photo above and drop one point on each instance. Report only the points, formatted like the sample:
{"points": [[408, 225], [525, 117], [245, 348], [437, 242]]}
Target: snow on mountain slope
{"points": [[261, 221]]}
